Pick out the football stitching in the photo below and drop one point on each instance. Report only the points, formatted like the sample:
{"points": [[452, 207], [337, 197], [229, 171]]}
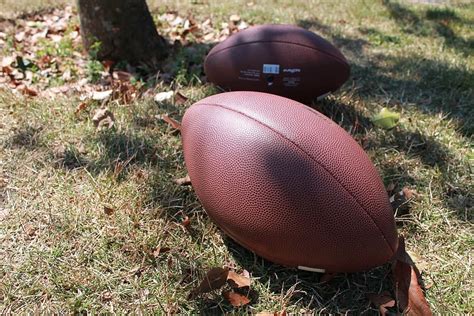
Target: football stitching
{"points": [[311, 157], [281, 42]]}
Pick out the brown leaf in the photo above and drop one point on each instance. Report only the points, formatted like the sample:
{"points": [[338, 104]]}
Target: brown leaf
{"points": [[174, 124], [30, 230], [159, 250], [237, 281], [282, 313], [410, 296], [382, 301], [103, 117], [108, 210], [179, 98], [186, 221], [214, 279], [183, 181], [236, 299], [28, 91], [81, 107]]}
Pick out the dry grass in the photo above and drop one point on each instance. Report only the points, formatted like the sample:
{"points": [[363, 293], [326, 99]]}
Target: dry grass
{"points": [[62, 253]]}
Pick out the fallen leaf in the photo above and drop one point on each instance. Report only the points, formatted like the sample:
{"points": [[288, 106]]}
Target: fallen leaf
{"points": [[7, 61], [28, 91], [382, 301], [159, 250], [103, 117], [81, 107], [163, 96], [20, 36], [386, 119], [234, 18], [237, 281], [400, 201], [410, 297], [30, 230], [186, 221], [215, 279], [183, 181], [106, 296], [235, 299], [101, 95], [282, 313], [179, 98], [108, 210], [174, 124]]}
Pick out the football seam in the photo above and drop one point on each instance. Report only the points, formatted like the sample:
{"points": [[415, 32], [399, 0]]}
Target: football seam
{"points": [[312, 158], [344, 62]]}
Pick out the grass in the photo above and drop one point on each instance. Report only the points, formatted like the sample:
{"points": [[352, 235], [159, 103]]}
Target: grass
{"points": [[62, 253]]}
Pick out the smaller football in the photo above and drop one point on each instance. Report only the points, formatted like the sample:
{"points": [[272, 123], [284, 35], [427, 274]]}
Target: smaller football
{"points": [[288, 183], [279, 59]]}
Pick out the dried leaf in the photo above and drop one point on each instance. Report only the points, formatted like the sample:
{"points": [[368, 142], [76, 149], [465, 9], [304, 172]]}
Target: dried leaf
{"points": [[108, 210], [234, 18], [174, 124], [410, 296], [103, 117], [28, 91], [183, 181], [81, 107], [163, 96], [214, 279], [30, 230], [7, 61], [20, 36], [386, 119], [237, 281], [186, 221], [159, 250], [235, 299], [382, 301], [101, 95], [179, 98]]}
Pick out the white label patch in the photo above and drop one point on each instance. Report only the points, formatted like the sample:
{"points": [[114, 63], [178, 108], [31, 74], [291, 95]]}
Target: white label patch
{"points": [[271, 69]]}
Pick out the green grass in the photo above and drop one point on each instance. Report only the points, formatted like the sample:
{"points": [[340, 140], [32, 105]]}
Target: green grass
{"points": [[62, 253]]}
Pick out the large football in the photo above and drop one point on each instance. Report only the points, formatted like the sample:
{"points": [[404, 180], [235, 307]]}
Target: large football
{"points": [[279, 59], [288, 183]]}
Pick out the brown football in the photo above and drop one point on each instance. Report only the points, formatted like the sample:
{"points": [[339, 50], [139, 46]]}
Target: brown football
{"points": [[288, 183], [280, 59]]}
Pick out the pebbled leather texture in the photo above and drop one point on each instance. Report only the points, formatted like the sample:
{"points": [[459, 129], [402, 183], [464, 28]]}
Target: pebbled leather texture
{"points": [[288, 183], [309, 66]]}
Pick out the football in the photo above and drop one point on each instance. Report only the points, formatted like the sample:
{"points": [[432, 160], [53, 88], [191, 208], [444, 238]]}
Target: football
{"points": [[288, 183], [279, 59]]}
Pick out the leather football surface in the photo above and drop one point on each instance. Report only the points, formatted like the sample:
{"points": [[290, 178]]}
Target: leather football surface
{"points": [[288, 183], [280, 59]]}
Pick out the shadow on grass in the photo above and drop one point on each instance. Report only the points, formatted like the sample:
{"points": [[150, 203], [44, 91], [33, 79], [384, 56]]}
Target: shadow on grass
{"points": [[436, 22], [345, 293], [431, 85]]}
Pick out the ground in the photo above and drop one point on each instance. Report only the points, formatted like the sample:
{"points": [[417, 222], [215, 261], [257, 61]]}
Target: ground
{"points": [[85, 211]]}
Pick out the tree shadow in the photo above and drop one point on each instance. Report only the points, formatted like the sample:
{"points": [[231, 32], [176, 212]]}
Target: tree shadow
{"points": [[431, 85], [26, 136], [437, 22]]}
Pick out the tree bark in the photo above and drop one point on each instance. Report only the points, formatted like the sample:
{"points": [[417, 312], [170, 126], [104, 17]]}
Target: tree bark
{"points": [[120, 30]]}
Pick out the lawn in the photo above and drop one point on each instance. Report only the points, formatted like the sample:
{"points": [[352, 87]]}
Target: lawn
{"points": [[91, 219]]}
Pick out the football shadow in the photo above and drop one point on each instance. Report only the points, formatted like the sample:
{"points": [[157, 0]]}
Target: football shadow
{"points": [[344, 293]]}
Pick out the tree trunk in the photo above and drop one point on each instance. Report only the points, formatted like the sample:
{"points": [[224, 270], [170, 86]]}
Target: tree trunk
{"points": [[120, 30]]}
